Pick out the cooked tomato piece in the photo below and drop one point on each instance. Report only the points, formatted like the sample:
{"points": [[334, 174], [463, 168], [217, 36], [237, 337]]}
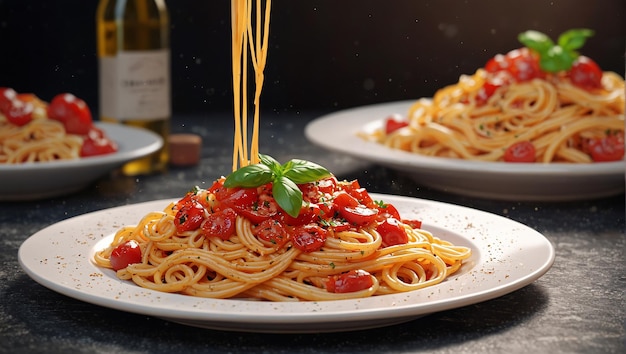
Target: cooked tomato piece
{"points": [[387, 211], [272, 231], [308, 238], [343, 199], [255, 216], [19, 113], [125, 254], [327, 185], [327, 210], [523, 151], [311, 193], [393, 123], [217, 186], [220, 224], [497, 63], [308, 213], [363, 196], [97, 143], [7, 96], [72, 111], [255, 204], [414, 224], [354, 280], [190, 197], [339, 225], [360, 194], [526, 66], [264, 208], [609, 148], [493, 82], [360, 215], [348, 185], [350, 209], [585, 73], [392, 232], [236, 197], [189, 216], [485, 92], [522, 64]]}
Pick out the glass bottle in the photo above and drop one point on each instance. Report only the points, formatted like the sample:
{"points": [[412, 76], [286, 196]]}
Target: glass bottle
{"points": [[134, 71]]}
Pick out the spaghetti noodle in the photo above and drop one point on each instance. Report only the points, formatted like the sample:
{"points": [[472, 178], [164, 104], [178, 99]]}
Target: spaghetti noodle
{"points": [[39, 141], [240, 242], [246, 40]]}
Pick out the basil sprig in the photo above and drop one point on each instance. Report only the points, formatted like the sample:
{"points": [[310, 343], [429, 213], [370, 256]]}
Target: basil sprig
{"points": [[559, 56], [284, 179]]}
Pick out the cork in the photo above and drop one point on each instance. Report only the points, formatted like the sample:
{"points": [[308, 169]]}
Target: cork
{"points": [[185, 149]]}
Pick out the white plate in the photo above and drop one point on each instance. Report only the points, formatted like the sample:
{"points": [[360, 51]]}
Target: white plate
{"points": [[496, 180], [48, 179], [506, 256]]}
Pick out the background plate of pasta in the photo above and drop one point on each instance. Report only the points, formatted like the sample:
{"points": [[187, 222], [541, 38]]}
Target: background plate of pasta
{"points": [[341, 132], [506, 256], [541, 122], [37, 180], [54, 148]]}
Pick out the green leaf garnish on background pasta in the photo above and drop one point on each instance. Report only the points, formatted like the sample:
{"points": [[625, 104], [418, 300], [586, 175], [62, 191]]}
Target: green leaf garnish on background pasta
{"points": [[560, 56]]}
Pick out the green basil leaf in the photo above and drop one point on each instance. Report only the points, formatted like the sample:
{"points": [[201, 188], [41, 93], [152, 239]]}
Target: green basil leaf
{"points": [[557, 59], [536, 40], [301, 171], [574, 39], [287, 195], [270, 162], [249, 176]]}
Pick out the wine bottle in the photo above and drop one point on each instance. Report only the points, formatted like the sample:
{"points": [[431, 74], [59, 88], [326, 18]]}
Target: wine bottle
{"points": [[134, 72]]}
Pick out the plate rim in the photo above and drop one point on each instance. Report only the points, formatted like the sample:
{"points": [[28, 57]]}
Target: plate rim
{"points": [[358, 310]]}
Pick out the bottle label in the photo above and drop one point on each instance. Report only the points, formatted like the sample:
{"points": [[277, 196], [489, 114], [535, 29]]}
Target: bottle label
{"points": [[135, 85]]}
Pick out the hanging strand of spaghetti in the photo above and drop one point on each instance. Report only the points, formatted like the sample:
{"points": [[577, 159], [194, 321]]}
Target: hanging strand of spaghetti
{"points": [[258, 51], [247, 8], [238, 34], [245, 39]]}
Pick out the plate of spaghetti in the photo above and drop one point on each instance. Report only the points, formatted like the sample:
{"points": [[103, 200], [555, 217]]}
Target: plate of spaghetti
{"points": [[59, 140], [24, 181], [454, 257], [526, 126]]}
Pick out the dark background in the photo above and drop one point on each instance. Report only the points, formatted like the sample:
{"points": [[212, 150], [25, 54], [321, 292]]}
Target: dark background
{"points": [[325, 54]]}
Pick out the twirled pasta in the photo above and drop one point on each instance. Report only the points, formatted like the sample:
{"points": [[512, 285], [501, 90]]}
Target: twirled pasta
{"points": [[552, 113], [41, 140], [245, 266]]}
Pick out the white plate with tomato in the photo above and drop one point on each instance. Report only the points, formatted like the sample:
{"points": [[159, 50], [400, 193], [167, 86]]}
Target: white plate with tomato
{"points": [[506, 256], [89, 150], [31, 181], [494, 180]]}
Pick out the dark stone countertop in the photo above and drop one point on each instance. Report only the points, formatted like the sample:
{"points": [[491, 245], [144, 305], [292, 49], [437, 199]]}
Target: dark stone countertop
{"points": [[578, 306]]}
